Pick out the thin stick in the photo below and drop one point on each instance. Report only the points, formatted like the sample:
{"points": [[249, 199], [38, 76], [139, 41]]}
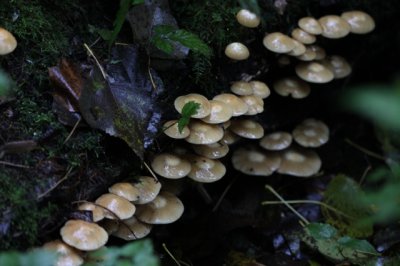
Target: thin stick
{"points": [[151, 76], [56, 184], [223, 195], [364, 174], [15, 165], [170, 254], [97, 61], [73, 130], [203, 192], [366, 151], [151, 171], [301, 217]]}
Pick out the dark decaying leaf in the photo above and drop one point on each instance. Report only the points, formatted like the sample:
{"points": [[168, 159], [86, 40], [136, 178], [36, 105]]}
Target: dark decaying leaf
{"points": [[125, 104]]}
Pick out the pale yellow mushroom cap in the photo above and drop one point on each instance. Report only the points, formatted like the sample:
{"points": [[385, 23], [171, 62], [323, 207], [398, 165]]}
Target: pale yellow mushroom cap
{"points": [[299, 162], [360, 22], [303, 36], [148, 188], [171, 130], [278, 42], [67, 255], [204, 109], [212, 151], [206, 170], [260, 89], [241, 88], [299, 49], [121, 207], [334, 27], [311, 133], [237, 51], [308, 55], [131, 229], [247, 18], [310, 25], [314, 72], [319, 51], [338, 65], [170, 166], [247, 128], [8, 43], [229, 138], [253, 161], [125, 190], [239, 107], [203, 133], [292, 86], [276, 141], [97, 212], [254, 103], [220, 113]]}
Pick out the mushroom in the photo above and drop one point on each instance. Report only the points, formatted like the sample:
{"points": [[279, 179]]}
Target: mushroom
{"points": [[220, 113], [303, 36], [171, 130], [66, 255], [247, 128], [276, 141], [237, 51], [170, 166], [298, 49], [334, 27], [204, 109], [239, 107], [206, 170], [254, 103], [97, 212], [164, 209], [310, 25], [202, 133], [260, 89], [131, 229], [314, 72], [119, 206], [252, 161], [247, 18], [319, 51], [359, 21], [212, 151], [299, 162], [148, 188], [311, 133], [241, 88], [125, 190], [292, 86], [110, 226], [308, 55], [83, 235], [229, 138], [278, 42], [8, 43], [338, 65]]}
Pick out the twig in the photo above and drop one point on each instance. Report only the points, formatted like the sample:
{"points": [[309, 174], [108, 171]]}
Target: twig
{"points": [[223, 195], [56, 184], [14, 165], [170, 254], [364, 174], [151, 76], [73, 130], [203, 192], [366, 151], [97, 61], [151, 171]]}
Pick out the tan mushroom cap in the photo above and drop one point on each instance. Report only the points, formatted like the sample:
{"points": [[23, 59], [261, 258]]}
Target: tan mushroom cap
{"points": [[247, 128], [206, 170], [148, 188], [125, 190], [212, 151], [299, 162], [292, 86], [226, 125], [204, 109], [338, 65], [334, 27], [171, 130], [252, 161], [254, 103], [229, 138], [314, 72], [319, 51], [237, 51], [311, 133], [309, 55], [276, 141], [97, 212], [238, 106], [83, 235], [241, 88], [298, 49], [203, 133], [360, 22], [67, 256], [131, 229], [121, 207], [247, 18], [278, 42], [164, 209], [8, 43], [303, 36], [260, 89], [109, 225], [170, 166], [310, 25], [220, 113]]}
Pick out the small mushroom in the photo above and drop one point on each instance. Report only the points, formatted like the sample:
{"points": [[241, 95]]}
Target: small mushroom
{"points": [[148, 188], [319, 52], [311, 133], [97, 212], [247, 18], [212, 151], [66, 255], [109, 225], [125, 190], [359, 21], [119, 206], [303, 36], [338, 65], [8, 43], [299, 162], [220, 113], [203, 133], [247, 128], [206, 170], [314, 72], [170, 166], [334, 27], [260, 89], [298, 49], [276, 141], [241, 88], [238, 106], [237, 51], [229, 138], [254, 103], [204, 109], [310, 25], [171, 130], [308, 55], [131, 229], [278, 42], [252, 161], [292, 86]]}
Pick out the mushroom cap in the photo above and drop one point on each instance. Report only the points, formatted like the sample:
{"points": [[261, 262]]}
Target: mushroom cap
{"points": [[247, 128], [83, 235], [241, 88], [314, 72], [220, 113], [125, 190], [170, 166], [338, 65], [229, 138], [254, 103], [253, 161], [292, 86], [298, 49], [171, 130], [247, 18], [303, 36], [310, 25], [360, 22], [67, 256], [204, 109], [238, 106], [260, 89], [131, 229], [278, 42], [164, 209], [276, 141], [97, 212], [212, 151], [308, 55], [206, 170], [237, 51], [121, 207], [148, 188], [311, 133], [299, 162], [203, 133], [109, 225], [8, 43], [319, 51], [334, 27]]}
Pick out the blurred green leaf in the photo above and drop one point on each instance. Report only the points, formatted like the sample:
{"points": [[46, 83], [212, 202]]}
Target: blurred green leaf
{"points": [[5, 84], [188, 110], [38, 257]]}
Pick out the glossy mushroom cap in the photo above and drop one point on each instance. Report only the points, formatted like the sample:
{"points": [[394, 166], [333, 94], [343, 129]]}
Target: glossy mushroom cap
{"points": [[310, 25], [8, 43], [83, 235], [255, 104], [247, 128], [252, 161], [292, 86], [212, 151], [239, 107], [276, 141], [125, 190], [260, 89], [97, 212], [164, 209], [360, 22], [319, 51], [206, 170], [241, 88], [303, 36], [338, 65], [311, 133], [148, 189], [132, 229], [67, 256], [203, 111], [299, 49], [121, 207], [170, 166], [299, 162], [171, 130], [278, 42], [247, 18], [308, 55], [237, 51], [229, 138], [220, 113], [314, 72], [203, 133], [334, 27]]}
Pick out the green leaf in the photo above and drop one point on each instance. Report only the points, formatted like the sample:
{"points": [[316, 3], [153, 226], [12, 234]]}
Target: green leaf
{"points": [[38, 257], [321, 231], [5, 84], [188, 110]]}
